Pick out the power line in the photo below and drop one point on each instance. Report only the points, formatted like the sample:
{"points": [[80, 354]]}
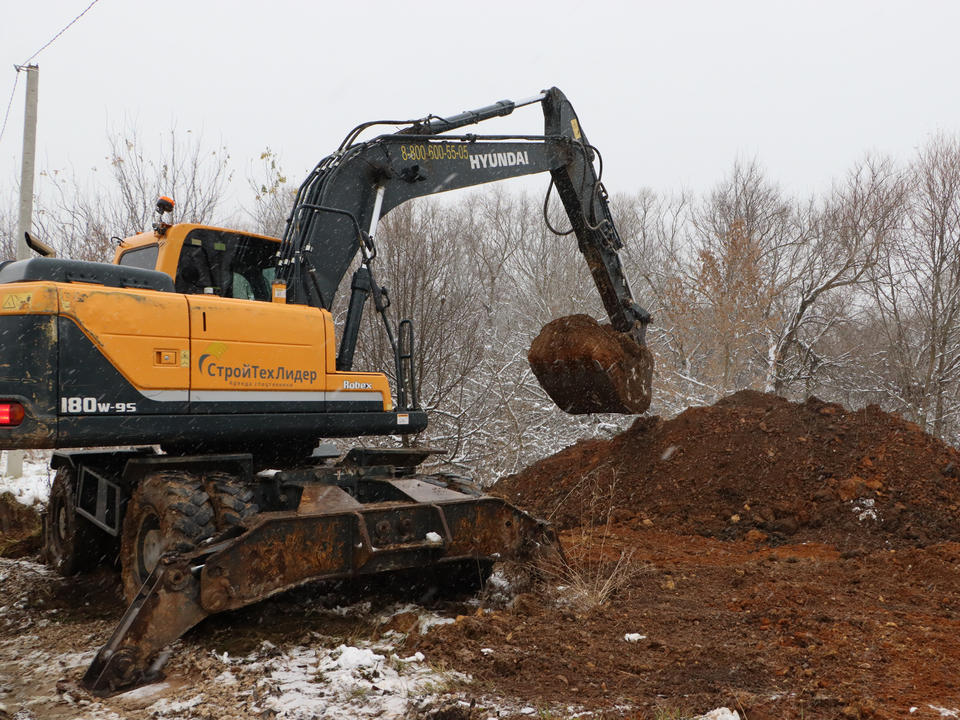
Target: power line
{"points": [[60, 33], [23, 65], [7, 114]]}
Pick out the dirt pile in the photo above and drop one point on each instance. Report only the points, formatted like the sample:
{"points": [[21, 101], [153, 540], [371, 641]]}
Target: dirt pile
{"points": [[757, 467], [20, 530]]}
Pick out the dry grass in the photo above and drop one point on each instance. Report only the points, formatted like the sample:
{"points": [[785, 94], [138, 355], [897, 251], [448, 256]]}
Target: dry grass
{"points": [[596, 567]]}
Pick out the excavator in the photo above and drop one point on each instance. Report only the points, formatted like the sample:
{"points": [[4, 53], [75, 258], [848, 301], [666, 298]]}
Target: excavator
{"points": [[187, 386]]}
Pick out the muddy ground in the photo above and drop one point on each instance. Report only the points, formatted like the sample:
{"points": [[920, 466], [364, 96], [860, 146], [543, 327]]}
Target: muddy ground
{"points": [[783, 560]]}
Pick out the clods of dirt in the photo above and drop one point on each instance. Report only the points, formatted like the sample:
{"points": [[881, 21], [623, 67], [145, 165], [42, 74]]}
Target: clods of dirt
{"points": [[798, 631], [755, 466]]}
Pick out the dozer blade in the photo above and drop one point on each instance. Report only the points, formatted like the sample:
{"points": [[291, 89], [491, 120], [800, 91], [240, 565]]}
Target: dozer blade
{"points": [[330, 536], [586, 367], [166, 607]]}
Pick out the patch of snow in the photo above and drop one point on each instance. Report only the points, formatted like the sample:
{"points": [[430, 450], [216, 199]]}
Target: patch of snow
{"points": [[720, 714], [359, 609], [165, 707], [351, 658], [864, 509], [144, 692], [33, 487], [434, 537], [431, 621], [498, 581], [226, 678], [944, 712], [634, 637]]}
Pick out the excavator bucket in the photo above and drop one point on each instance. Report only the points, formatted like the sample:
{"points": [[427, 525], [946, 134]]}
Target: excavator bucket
{"points": [[586, 367]]}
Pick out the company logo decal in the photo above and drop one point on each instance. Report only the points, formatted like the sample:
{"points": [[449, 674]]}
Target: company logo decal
{"points": [[214, 350], [247, 374], [492, 160]]}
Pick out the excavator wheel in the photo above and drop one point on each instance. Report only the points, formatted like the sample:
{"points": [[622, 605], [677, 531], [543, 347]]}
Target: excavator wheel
{"points": [[73, 543], [169, 512], [586, 367], [232, 501]]}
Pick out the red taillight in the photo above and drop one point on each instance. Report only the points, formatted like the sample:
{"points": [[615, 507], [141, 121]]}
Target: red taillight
{"points": [[11, 413]]}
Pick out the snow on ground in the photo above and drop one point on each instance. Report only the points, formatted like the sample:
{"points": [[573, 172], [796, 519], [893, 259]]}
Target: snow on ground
{"points": [[329, 678], [33, 487]]}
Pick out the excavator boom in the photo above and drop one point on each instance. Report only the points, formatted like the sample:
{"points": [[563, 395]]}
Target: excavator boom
{"points": [[340, 203]]}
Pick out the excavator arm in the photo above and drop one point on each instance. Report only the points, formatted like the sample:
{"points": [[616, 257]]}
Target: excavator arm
{"points": [[340, 203]]}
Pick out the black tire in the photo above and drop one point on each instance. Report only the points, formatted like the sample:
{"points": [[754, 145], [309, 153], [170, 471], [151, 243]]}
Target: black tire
{"points": [[73, 543], [169, 512], [232, 501]]}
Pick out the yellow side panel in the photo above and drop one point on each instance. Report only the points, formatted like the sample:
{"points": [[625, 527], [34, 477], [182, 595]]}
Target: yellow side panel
{"points": [[28, 298], [244, 345], [342, 385], [144, 334], [358, 385]]}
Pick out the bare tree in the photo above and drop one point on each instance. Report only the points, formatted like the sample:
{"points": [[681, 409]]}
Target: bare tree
{"points": [[273, 198], [9, 221], [833, 248], [186, 168], [422, 263], [81, 217], [717, 295], [918, 294]]}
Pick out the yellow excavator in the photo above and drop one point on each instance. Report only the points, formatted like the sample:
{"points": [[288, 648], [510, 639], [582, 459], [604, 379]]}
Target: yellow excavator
{"points": [[219, 347]]}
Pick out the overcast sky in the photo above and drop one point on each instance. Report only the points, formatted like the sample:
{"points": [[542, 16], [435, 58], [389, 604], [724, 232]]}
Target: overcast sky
{"points": [[670, 92]]}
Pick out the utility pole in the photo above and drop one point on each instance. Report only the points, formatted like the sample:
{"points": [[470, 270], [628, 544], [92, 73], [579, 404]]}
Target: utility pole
{"points": [[28, 161]]}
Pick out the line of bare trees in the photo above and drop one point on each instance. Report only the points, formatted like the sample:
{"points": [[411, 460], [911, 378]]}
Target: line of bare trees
{"points": [[852, 295]]}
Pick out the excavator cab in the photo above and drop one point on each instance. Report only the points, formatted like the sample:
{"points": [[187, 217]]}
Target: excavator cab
{"points": [[210, 261]]}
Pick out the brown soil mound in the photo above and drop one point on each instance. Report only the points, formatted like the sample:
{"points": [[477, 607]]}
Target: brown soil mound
{"points": [[586, 367], [757, 467], [20, 530]]}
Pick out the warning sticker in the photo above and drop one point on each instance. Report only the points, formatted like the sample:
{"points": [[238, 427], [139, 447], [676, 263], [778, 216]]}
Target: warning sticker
{"points": [[16, 301]]}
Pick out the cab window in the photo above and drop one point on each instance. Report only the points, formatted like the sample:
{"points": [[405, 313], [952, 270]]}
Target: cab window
{"points": [[141, 257], [227, 264]]}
